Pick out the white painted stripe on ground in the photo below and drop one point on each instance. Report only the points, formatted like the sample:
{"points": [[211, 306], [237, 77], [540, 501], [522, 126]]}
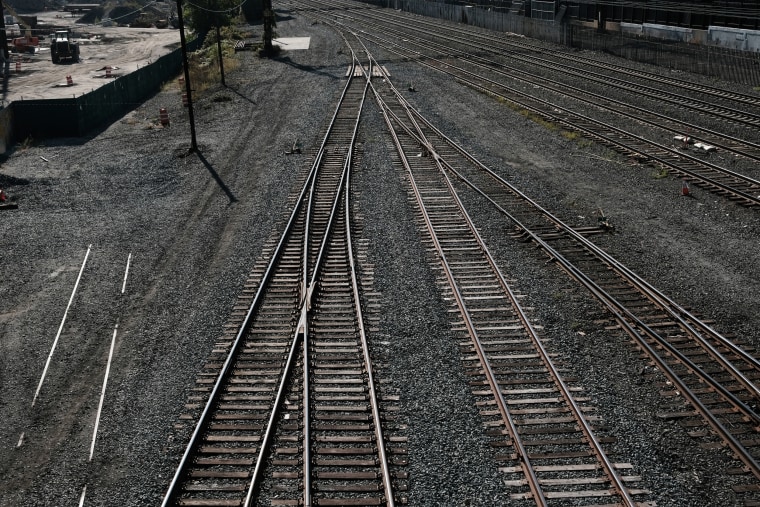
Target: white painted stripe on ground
{"points": [[60, 328], [126, 272], [81, 499], [20, 440], [108, 366], [103, 391]]}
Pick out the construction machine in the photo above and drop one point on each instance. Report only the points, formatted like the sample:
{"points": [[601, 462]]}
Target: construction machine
{"points": [[62, 48], [27, 43]]}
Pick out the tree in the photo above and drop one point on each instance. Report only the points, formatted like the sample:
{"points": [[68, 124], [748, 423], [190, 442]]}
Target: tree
{"points": [[253, 10], [204, 15]]}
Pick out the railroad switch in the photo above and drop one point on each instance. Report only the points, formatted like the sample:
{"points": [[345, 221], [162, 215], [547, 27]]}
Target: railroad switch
{"points": [[604, 222], [296, 149]]}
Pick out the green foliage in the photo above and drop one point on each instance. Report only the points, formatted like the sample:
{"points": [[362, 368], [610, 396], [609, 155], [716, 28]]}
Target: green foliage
{"points": [[571, 135], [204, 64], [203, 16]]}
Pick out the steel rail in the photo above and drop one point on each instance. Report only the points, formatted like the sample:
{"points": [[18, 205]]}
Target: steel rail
{"points": [[720, 358], [508, 43], [695, 402], [677, 312], [173, 489], [605, 81], [620, 313], [311, 287], [562, 89], [647, 91], [302, 327], [751, 199], [593, 442], [501, 403], [668, 305], [490, 64], [652, 293], [576, 273], [308, 282], [390, 500]]}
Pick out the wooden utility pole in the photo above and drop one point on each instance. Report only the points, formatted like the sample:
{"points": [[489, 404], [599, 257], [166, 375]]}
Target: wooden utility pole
{"points": [[193, 142], [268, 27], [221, 56], [4, 45]]}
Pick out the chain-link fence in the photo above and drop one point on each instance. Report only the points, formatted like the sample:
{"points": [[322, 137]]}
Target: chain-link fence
{"points": [[77, 116], [730, 64]]}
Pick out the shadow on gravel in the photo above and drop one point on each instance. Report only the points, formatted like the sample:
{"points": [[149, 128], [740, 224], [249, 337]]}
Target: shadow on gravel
{"points": [[227, 191], [241, 95], [306, 68]]}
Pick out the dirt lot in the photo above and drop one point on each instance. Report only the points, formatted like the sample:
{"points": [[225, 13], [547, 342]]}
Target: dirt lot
{"points": [[124, 49]]}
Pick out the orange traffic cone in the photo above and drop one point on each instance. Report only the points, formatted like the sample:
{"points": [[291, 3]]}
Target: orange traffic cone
{"points": [[685, 188], [3, 197], [69, 81], [163, 116]]}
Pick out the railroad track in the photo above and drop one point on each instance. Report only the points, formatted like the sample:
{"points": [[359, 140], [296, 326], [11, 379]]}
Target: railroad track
{"points": [[522, 50], [473, 70], [691, 132], [734, 186], [714, 380], [544, 441], [287, 411]]}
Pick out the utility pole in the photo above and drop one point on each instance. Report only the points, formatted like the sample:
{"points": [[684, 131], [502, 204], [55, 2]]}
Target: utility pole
{"points": [[193, 142], [221, 56], [4, 45], [268, 27]]}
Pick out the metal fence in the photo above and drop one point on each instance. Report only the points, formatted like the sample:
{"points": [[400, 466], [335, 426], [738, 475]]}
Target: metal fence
{"points": [[77, 116], [487, 17], [732, 65]]}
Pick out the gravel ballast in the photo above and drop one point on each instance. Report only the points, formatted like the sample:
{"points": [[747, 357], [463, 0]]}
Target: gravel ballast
{"points": [[193, 224]]}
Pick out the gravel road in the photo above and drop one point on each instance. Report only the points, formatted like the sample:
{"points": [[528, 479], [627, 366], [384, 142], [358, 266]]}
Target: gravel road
{"points": [[192, 225]]}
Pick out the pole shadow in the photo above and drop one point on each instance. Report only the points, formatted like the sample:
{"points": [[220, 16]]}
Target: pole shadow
{"points": [[216, 177]]}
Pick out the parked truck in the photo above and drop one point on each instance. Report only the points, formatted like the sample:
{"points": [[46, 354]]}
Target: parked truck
{"points": [[63, 48]]}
